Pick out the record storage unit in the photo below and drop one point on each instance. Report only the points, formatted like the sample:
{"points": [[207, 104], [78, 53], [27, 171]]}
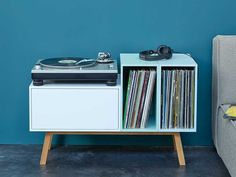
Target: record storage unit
{"points": [[177, 62], [59, 99]]}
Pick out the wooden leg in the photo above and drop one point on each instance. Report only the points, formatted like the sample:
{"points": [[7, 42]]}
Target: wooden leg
{"points": [[50, 144], [46, 146], [175, 137], [174, 145], [179, 148]]}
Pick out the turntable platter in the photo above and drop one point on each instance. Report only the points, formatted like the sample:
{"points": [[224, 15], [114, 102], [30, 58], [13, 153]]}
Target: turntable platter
{"points": [[68, 62]]}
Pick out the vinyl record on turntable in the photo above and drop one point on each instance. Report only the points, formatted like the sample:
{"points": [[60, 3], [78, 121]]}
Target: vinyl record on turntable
{"points": [[67, 62]]}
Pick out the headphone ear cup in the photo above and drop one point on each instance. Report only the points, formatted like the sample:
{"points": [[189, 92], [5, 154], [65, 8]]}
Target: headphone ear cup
{"points": [[164, 51], [160, 49]]}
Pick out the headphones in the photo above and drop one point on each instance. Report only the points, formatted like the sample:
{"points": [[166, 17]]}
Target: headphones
{"points": [[162, 52]]}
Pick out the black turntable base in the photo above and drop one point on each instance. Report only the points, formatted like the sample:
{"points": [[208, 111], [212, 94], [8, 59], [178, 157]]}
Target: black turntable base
{"points": [[74, 69]]}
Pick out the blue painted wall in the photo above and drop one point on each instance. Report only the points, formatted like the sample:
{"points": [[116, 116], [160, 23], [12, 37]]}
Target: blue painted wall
{"points": [[33, 29]]}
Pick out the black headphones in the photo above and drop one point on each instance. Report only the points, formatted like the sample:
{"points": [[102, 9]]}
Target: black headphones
{"points": [[162, 52]]}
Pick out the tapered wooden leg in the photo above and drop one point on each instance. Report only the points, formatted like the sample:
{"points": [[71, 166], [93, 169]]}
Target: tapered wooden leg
{"points": [[46, 147], [179, 148], [174, 145], [50, 144]]}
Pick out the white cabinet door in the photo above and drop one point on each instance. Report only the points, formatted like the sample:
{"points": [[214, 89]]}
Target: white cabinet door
{"points": [[65, 109]]}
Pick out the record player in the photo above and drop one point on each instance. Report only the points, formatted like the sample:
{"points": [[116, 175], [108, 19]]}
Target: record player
{"points": [[103, 69]]}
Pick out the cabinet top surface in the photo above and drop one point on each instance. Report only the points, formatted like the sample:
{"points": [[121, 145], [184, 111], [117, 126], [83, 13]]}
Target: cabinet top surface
{"points": [[132, 59]]}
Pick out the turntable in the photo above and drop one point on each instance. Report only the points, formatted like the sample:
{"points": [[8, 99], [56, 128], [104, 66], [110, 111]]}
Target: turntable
{"points": [[102, 69]]}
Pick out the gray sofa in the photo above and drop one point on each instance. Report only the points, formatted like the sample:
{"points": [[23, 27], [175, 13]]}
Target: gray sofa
{"points": [[224, 92]]}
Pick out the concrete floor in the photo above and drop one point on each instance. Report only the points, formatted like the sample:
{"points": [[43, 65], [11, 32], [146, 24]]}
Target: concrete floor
{"points": [[108, 161]]}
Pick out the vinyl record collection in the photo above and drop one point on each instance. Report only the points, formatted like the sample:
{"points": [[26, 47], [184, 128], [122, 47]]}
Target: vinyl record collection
{"points": [[139, 98], [178, 88]]}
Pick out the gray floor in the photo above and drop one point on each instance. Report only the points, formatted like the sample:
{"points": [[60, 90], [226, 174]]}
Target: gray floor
{"points": [[108, 161]]}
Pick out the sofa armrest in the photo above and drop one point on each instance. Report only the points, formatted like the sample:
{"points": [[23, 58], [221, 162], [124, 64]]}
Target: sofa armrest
{"points": [[223, 75]]}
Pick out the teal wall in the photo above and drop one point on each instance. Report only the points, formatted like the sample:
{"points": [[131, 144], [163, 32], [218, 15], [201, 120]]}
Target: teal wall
{"points": [[33, 29]]}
